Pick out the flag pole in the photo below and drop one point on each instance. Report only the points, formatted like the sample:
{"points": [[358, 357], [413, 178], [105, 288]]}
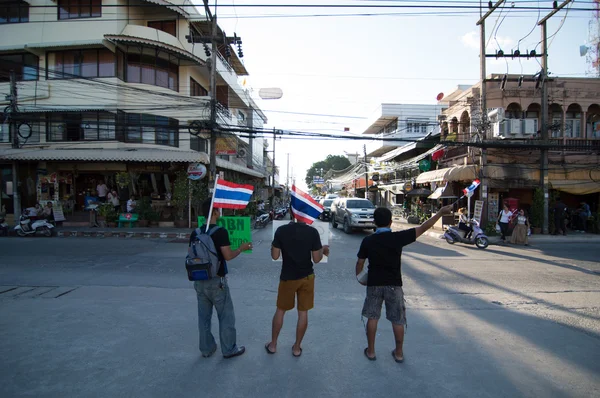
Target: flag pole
{"points": [[212, 200]]}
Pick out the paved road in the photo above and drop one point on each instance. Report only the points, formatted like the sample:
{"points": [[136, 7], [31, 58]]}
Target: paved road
{"points": [[116, 318]]}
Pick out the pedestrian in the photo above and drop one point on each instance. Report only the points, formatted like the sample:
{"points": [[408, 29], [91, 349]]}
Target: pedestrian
{"points": [[215, 293], [559, 217], [503, 220], [519, 235], [131, 203], [584, 213], [102, 191], [114, 200], [464, 223], [383, 249], [48, 212], [300, 246]]}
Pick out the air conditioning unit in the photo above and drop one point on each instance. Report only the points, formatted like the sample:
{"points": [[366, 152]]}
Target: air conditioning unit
{"points": [[496, 115], [530, 126], [513, 126], [241, 153]]}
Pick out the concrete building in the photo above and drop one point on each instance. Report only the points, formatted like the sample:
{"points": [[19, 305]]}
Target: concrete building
{"points": [[107, 86], [511, 172]]}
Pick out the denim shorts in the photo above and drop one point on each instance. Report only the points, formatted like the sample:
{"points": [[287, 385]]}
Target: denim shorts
{"points": [[395, 309]]}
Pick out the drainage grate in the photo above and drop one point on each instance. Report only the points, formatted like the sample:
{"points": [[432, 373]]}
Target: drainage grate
{"points": [[17, 292]]}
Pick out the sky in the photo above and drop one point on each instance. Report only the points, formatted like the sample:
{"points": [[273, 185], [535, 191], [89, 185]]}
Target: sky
{"points": [[336, 70]]}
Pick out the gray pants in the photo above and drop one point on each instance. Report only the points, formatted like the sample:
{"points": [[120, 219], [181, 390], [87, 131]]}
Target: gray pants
{"points": [[395, 309], [215, 293]]}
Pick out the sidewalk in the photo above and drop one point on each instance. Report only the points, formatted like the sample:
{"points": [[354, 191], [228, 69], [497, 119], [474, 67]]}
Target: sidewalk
{"points": [[573, 237]]}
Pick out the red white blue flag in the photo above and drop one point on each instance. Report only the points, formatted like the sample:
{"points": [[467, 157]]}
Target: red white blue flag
{"points": [[468, 191], [229, 195], [305, 208]]}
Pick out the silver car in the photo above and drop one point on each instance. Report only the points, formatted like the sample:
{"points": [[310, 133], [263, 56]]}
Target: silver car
{"points": [[352, 213]]}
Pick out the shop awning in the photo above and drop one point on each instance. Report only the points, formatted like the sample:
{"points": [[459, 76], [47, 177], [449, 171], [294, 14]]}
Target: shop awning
{"points": [[576, 187], [397, 152], [178, 9], [419, 192], [443, 193], [99, 154], [225, 164], [175, 50], [456, 173]]}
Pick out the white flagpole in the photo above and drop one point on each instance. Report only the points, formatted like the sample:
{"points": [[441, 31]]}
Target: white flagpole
{"points": [[211, 202]]}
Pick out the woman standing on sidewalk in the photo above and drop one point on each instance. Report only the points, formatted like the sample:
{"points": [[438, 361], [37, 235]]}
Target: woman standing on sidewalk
{"points": [[519, 235], [503, 220]]}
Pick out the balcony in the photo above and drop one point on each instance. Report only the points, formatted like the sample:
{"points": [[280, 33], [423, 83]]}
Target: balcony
{"points": [[455, 152], [582, 144]]}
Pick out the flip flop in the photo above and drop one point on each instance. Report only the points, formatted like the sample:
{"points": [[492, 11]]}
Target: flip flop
{"points": [[368, 357], [396, 359], [295, 354], [268, 350]]}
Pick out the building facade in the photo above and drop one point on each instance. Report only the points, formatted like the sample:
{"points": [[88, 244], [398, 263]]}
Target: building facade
{"points": [[113, 86]]}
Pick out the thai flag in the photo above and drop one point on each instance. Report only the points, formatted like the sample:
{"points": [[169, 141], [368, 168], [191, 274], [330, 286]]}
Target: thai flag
{"points": [[305, 208], [471, 188], [228, 195]]}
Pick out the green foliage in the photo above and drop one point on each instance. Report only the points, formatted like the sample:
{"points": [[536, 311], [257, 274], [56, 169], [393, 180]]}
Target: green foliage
{"points": [[182, 189], [537, 208], [490, 228], [107, 210], [122, 179], [331, 162], [144, 209]]}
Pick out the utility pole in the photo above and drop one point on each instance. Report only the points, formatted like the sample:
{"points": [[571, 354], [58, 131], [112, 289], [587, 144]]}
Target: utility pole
{"points": [[274, 168], [366, 173], [544, 122], [483, 102], [287, 178], [15, 143], [213, 95]]}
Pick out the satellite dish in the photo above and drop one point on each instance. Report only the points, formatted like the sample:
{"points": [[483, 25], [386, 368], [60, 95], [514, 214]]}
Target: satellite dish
{"points": [[440, 96], [270, 93]]}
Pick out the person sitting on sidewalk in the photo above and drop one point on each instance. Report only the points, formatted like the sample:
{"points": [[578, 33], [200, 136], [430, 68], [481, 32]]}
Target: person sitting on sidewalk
{"points": [[383, 249]]}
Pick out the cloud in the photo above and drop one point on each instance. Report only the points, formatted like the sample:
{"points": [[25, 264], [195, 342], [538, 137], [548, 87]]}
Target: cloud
{"points": [[471, 40]]}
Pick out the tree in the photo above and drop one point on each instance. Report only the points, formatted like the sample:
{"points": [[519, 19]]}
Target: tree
{"points": [[331, 162]]}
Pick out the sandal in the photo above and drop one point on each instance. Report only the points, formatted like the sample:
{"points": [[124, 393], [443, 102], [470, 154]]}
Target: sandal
{"points": [[396, 359], [367, 355], [295, 354], [268, 349]]}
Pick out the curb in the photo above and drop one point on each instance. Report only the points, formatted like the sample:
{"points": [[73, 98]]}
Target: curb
{"points": [[126, 235]]}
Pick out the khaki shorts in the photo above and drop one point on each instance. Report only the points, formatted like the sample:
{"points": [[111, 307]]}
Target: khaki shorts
{"points": [[305, 290]]}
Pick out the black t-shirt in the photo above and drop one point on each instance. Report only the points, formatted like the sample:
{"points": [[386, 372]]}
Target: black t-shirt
{"points": [[384, 252], [221, 238], [296, 241]]}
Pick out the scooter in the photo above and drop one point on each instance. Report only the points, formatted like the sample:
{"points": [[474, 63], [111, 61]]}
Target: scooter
{"points": [[3, 226], [280, 213], [263, 219], [478, 238], [26, 227]]}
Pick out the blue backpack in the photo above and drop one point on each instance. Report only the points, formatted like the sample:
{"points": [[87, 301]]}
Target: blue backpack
{"points": [[202, 262]]}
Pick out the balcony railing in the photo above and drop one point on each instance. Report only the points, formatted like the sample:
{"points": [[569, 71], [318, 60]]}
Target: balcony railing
{"points": [[576, 143], [456, 152]]}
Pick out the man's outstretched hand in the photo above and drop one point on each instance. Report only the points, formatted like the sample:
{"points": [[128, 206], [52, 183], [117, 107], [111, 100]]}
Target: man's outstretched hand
{"points": [[446, 210]]}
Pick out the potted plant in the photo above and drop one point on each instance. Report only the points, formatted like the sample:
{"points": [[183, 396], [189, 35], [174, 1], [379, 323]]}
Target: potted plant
{"points": [[181, 198], [153, 218], [144, 210], [536, 218], [107, 215]]}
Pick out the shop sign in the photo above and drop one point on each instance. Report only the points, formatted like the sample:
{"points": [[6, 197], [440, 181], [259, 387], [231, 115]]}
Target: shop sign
{"points": [[478, 210], [57, 211], [407, 186], [226, 146], [196, 171]]}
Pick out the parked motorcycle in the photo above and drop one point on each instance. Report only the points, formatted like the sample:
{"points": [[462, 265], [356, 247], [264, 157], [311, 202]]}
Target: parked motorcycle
{"points": [[26, 227], [3, 226], [478, 238], [262, 219], [280, 213]]}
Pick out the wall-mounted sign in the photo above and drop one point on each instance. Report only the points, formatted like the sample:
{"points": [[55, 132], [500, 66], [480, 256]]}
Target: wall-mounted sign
{"points": [[226, 146], [407, 186], [196, 171]]}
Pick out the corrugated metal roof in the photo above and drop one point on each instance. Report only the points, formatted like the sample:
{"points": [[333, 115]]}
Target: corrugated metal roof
{"points": [[140, 40], [99, 154], [238, 167], [70, 43]]}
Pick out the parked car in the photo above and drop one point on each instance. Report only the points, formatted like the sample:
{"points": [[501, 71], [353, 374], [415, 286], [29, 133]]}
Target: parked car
{"points": [[332, 196], [326, 215], [352, 213]]}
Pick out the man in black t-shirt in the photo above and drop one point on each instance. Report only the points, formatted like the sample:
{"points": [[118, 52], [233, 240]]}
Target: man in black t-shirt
{"points": [[300, 246], [215, 293], [383, 249]]}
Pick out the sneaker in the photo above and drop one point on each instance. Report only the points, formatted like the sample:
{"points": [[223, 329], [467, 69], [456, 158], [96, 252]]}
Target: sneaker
{"points": [[238, 351]]}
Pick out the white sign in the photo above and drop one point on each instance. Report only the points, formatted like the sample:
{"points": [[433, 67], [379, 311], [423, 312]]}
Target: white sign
{"points": [[57, 210], [196, 171], [478, 210], [320, 226]]}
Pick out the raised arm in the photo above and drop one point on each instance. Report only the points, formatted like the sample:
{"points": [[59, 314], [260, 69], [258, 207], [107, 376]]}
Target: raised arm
{"points": [[421, 229]]}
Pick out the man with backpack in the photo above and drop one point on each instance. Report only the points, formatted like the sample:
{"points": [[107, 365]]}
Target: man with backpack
{"points": [[210, 283]]}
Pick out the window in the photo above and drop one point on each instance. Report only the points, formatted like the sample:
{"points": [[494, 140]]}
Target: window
{"points": [[75, 9], [13, 11], [25, 66], [198, 144], [166, 26], [150, 129], [196, 90], [81, 63], [81, 126], [151, 66]]}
